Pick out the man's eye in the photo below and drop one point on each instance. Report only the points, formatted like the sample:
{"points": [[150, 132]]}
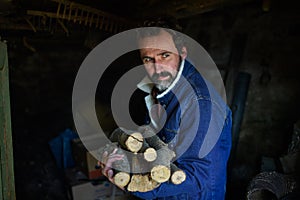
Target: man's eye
{"points": [[147, 60], [165, 55]]}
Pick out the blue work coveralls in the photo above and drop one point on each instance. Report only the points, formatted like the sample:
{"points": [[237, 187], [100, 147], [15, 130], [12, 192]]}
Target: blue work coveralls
{"points": [[197, 126]]}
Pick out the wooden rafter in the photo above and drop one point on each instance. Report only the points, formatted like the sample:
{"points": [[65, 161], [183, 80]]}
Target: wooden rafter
{"points": [[68, 11], [188, 8]]}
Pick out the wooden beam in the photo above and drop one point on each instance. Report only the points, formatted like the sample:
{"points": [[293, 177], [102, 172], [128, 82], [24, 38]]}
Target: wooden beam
{"points": [[188, 8], [7, 188]]}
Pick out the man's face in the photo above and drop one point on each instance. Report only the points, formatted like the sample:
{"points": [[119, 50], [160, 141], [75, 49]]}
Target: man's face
{"points": [[160, 58]]}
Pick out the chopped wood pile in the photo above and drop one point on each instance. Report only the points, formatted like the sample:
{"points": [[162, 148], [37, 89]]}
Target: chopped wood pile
{"points": [[146, 160]]}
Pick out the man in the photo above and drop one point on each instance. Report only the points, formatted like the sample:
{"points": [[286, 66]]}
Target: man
{"points": [[190, 117]]}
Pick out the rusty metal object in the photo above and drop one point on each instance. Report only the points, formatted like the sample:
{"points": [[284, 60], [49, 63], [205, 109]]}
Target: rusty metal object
{"points": [[278, 184]]}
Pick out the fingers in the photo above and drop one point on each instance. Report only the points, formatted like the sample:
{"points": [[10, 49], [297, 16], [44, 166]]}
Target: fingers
{"points": [[115, 150], [107, 162], [104, 157], [110, 174]]}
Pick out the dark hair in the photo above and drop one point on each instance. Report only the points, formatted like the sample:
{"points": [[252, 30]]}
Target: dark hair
{"points": [[167, 23]]}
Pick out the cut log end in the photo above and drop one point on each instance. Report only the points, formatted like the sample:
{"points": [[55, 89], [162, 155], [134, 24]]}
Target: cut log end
{"points": [[135, 183], [121, 179], [153, 184], [150, 154], [160, 173], [178, 177], [134, 142], [141, 183]]}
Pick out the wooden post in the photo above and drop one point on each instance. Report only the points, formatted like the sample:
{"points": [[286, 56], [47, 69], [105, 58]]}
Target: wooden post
{"points": [[7, 188]]}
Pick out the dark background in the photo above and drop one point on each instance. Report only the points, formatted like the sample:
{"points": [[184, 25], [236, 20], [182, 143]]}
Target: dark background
{"points": [[43, 66]]}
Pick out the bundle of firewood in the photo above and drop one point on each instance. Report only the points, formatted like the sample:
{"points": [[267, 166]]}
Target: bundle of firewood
{"points": [[146, 160]]}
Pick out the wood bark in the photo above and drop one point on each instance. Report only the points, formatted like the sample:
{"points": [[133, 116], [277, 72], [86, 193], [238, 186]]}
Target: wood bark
{"points": [[132, 141], [152, 139]]}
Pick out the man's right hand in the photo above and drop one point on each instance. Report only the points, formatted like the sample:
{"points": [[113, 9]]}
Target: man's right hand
{"points": [[107, 163]]}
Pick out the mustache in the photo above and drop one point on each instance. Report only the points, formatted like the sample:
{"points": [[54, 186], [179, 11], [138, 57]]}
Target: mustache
{"points": [[162, 74]]}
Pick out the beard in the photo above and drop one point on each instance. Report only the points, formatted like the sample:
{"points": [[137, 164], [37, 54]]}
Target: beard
{"points": [[162, 84]]}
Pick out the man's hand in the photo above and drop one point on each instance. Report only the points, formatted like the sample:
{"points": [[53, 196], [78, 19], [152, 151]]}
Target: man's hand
{"points": [[107, 164]]}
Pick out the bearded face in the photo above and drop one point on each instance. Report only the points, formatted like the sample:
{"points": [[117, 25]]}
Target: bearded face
{"points": [[165, 78], [161, 63]]}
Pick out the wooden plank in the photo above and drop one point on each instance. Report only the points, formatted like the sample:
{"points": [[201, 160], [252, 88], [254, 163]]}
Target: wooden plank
{"points": [[6, 150]]}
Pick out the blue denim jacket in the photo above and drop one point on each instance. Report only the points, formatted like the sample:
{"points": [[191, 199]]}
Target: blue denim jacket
{"points": [[198, 128]]}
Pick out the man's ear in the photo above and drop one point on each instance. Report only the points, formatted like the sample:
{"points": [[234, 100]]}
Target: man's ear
{"points": [[183, 52]]}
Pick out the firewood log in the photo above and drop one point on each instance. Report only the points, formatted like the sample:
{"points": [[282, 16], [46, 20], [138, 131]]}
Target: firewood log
{"points": [[178, 175], [149, 153], [141, 183], [132, 141], [156, 159], [151, 138], [139, 165], [161, 171], [121, 168], [121, 179]]}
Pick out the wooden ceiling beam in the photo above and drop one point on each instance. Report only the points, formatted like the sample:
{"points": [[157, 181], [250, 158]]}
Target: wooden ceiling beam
{"points": [[182, 9]]}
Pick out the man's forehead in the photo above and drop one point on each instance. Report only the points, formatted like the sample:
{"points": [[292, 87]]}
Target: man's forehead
{"points": [[162, 41]]}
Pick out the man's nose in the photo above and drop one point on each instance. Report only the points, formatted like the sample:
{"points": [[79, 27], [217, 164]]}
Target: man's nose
{"points": [[158, 66]]}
